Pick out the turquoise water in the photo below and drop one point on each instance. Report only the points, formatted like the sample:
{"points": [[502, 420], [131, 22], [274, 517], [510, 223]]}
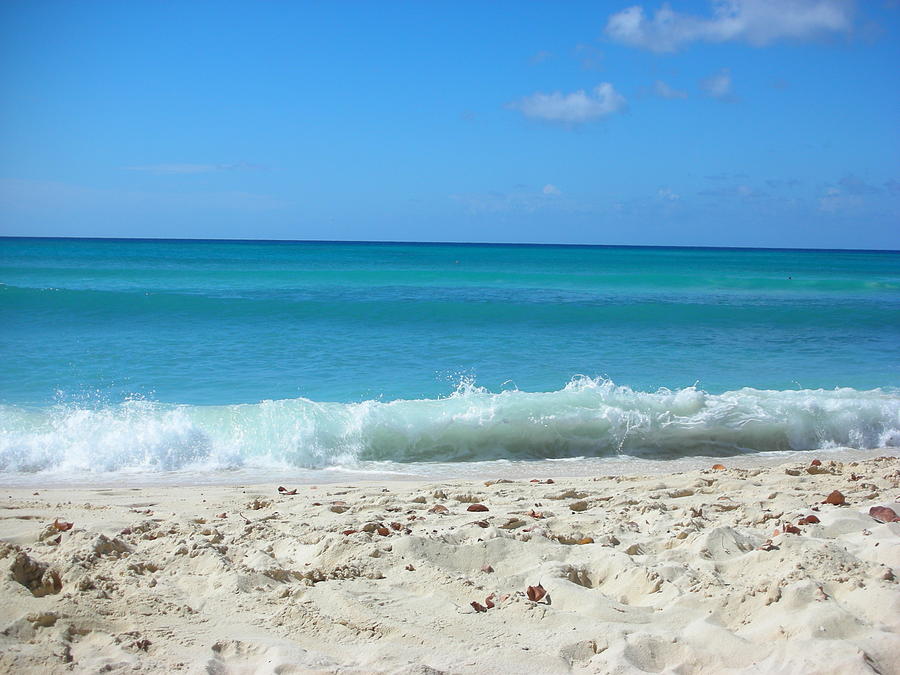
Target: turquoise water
{"points": [[159, 355]]}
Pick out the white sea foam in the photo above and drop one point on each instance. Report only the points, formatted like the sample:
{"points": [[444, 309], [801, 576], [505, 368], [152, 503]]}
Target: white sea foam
{"points": [[587, 418]]}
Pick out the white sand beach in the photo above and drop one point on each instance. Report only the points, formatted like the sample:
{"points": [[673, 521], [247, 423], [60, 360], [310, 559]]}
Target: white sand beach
{"points": [[707, 571]]}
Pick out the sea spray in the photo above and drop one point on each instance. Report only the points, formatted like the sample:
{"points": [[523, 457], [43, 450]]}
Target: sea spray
{"points": [[587, 418]]}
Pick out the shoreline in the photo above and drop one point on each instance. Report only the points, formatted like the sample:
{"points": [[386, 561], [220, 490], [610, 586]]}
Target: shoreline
{"points": [[643, 572], [413, 472]]}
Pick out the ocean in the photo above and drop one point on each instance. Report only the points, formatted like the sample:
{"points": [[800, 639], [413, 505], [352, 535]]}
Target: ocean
{"points": [[179, 360]]}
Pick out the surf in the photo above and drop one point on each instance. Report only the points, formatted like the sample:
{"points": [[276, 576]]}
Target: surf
{"points": [[588, 417]]}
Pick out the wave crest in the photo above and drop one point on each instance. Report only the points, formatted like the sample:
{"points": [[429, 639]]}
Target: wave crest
{"points": [[588, 417]]}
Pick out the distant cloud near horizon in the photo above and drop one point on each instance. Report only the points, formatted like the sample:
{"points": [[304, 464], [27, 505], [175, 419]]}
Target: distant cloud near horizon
{"points": [[756, 22], [668, 195], [522, 199], [726, 176], [575, 108], [193, 168], [37, 196], [854, 185], [741, 191], [778, 183]]}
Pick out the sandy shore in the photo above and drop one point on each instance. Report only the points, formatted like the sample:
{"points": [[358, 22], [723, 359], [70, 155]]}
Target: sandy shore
{"points": [[712, 570]]}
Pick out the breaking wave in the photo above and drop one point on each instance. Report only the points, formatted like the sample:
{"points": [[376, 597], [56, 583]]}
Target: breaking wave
{"points": [[586, 418]]}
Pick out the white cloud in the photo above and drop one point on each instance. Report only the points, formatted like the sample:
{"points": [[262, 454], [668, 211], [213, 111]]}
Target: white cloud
{"points": [[574, 108], [550, 189], [757, 22], [663, 90], [718, 85]]}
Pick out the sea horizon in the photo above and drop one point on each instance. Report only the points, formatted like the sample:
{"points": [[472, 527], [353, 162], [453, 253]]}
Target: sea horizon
{"points": [[511, 244]]}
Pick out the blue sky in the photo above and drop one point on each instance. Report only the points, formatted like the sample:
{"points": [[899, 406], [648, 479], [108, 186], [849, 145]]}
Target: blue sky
{"points": [[733, 123]]}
